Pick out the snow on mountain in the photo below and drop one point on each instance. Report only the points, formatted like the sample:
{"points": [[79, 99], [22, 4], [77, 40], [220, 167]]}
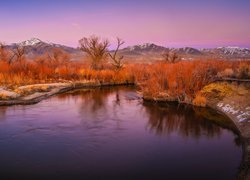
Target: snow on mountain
{"points": [[30, 42], [152, 48], [186, 50], [228, 51], [35, 46], [234, 50], [144, 47]]}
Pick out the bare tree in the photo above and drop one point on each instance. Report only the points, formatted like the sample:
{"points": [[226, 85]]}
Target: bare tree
{"points": [[18, 53], [117, 61], [165, 55], [170, 57], [3, 53], [95, 48], [58, 57]]}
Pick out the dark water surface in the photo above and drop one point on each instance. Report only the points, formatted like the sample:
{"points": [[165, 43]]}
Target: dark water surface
{"points": [[111, 134]]}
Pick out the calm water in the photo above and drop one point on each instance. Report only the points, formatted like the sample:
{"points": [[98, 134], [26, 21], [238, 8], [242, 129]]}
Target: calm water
{"points": [[111, 134]]}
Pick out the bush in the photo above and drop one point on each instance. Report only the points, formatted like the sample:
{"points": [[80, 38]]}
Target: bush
{"points": [[244, 71], [200, 101], [226, 73]]}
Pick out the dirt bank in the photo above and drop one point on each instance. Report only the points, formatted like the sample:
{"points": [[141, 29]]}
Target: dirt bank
{"points": [[229, 98], [32, 94], [233, 100]]}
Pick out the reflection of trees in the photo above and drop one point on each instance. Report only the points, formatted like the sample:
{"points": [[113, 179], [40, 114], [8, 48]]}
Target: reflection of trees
{"points": [[244, 171], [90, 99], [215, 117], [195, 122], [117, 98], [183, 120], [3, 110], [218, 119], [165, 118], [99, 109], [94, 100]]}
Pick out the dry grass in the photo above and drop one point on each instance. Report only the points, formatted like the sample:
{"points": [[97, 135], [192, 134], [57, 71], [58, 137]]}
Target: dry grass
{"points": [[244, 70], [3, 96], [31, 89], [227, 73], [240, 70], [217, 90], [200, 100], [184, 80], [180, 81]]}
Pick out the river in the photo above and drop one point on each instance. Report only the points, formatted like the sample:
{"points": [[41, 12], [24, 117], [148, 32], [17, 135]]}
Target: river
{"points": [[111, 133]]}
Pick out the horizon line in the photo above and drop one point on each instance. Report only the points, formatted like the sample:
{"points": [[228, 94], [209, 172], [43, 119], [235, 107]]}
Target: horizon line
{"points": [[131, 45]]}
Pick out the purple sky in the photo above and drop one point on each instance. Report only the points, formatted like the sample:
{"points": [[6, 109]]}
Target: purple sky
{"points": [[173, 23]]}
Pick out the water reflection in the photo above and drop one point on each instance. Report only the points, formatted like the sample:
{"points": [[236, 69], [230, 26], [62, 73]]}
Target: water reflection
{"points": [[92, 127], [3, 110], [93, 99], [162, 118], [168, 119], [244, 170]]}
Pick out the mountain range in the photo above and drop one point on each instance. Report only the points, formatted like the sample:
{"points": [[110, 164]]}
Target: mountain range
{"points": [[36, 46], [144, 52]]}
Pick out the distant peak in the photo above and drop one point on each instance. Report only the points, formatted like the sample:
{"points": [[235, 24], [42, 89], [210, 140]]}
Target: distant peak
{"points": [[30, 42], [149, 45], [145, 45], [35, 39], [229, 47]]}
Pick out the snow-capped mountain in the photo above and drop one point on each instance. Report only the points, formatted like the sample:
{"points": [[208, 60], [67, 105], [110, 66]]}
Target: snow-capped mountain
{"points": [[30, 42], [152, 48], [35, 46], [154, 52], [147, 51], [147, 47], [187, 50], [234, 52]]}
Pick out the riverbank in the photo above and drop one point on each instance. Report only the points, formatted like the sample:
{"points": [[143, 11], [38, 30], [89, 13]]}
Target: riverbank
{"points": [[31, 94], [229, 98], [233, 100]]}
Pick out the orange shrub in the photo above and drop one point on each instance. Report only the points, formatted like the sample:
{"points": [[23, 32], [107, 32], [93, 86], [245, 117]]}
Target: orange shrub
{"points": [[4, 67], [182, 80], [244, 70], [200, 101]]}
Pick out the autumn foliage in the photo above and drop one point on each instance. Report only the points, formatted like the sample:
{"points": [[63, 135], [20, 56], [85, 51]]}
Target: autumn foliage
{"points": [[180, 81], [183, 80]]}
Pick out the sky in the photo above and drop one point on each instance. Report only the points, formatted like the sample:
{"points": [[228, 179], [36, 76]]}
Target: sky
{"points": [[171, 23]]}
